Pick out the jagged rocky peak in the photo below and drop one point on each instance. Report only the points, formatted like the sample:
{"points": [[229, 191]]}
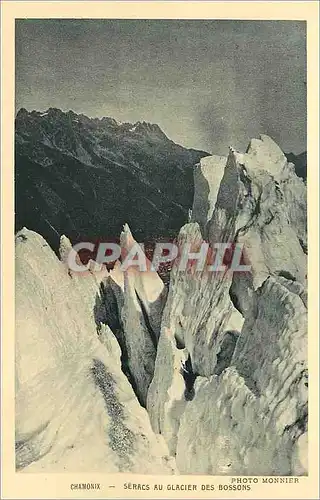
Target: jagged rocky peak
{"points": [[151, 129], [54, 115]]}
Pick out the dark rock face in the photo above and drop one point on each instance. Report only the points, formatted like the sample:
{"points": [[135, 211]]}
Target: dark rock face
{"points": [[86, 177], [300, 164]]}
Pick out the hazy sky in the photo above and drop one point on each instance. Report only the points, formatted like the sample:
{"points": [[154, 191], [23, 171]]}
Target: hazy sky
{"points": [[207, 84]]}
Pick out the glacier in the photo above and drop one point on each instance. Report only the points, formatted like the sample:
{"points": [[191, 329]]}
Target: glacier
{"points": [[115, 372]]}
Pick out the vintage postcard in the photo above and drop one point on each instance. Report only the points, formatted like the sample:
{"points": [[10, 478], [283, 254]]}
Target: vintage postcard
{"points": [[160, 268]]}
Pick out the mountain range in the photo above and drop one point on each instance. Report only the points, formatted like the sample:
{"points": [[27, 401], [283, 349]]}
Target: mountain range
{"points": [[85, 177]]}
